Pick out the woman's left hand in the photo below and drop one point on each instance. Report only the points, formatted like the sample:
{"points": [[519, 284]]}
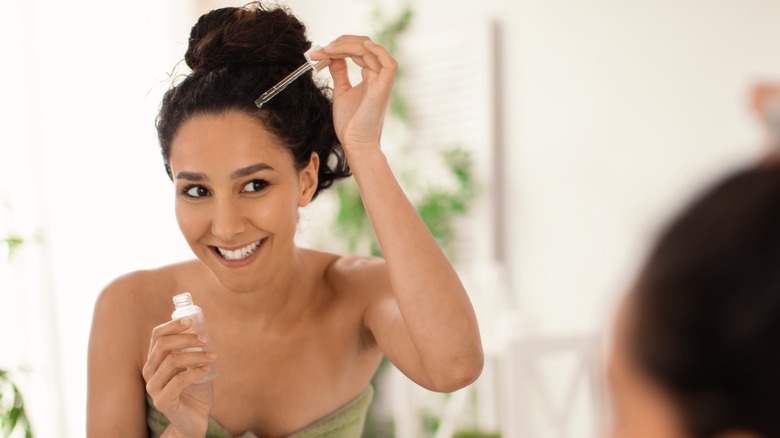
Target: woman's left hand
{"points": [[359, 110]]}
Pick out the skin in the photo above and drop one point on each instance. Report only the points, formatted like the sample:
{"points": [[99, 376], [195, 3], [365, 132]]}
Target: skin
{"points": [[297, 333], [762, 94], [640, 407]]}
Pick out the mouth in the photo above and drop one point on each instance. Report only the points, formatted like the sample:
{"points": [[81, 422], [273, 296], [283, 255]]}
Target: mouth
{"points": [[239, 253]]}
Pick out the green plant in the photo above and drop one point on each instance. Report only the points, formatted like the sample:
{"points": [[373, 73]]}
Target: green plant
{"points": [[12, 242], [13, 415], [437, 206]]}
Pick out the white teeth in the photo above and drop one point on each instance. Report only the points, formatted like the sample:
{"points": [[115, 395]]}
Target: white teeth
{"points": [[240, 253]]}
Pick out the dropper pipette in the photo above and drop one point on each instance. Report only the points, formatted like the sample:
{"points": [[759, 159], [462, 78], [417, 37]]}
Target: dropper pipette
{"points": [[298, 72]]}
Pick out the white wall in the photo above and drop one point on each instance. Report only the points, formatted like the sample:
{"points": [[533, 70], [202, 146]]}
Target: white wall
{"points": [[615, 112]]}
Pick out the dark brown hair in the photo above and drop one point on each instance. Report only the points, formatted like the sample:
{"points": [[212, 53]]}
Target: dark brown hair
{"points": [[235, 55], [707, 314]]}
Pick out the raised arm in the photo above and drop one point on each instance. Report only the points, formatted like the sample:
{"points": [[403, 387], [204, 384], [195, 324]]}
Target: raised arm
{"points": [[424, 322]]}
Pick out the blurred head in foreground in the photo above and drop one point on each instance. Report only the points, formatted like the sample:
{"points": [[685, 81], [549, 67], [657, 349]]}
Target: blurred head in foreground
{"points": [[696, 350]]}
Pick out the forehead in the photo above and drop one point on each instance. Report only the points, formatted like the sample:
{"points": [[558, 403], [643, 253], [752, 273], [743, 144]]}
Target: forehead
{"points": [[226, 141]]}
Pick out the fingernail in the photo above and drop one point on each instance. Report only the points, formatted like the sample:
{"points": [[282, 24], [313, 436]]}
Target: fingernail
{"points": [[369, 43], [202, 339], [211, 355]]}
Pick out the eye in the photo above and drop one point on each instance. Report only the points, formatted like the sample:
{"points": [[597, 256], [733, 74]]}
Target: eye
{"points": [[195, 191], [255, 185]]}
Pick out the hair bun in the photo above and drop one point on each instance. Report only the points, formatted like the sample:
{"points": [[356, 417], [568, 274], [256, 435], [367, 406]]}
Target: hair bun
{"points": [[250, 35]]}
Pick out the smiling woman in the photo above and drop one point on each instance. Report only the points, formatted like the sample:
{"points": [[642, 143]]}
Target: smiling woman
{"points": [[238, 193], [297, 333]]}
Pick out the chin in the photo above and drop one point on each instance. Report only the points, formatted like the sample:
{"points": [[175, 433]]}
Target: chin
{"points": [[243, 281]]}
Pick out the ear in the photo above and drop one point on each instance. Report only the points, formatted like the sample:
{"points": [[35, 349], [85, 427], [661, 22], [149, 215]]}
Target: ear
{"points": [[308, 180]]}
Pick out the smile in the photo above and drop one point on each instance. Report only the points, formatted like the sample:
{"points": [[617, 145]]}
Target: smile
{"points": [[240, 253]]}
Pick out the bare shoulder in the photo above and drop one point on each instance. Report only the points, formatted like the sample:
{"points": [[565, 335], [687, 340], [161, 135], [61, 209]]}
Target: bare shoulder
{"points": [[360, 275], [134, 286], [126, 288], [118, 298], [134, 297], [129, 307]]}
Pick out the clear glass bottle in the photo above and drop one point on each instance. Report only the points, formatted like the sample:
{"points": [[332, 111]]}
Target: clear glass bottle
{"points": [[185, 308]]}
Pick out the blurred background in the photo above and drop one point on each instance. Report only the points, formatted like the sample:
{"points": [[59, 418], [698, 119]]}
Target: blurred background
{"points": [[544, 142]]}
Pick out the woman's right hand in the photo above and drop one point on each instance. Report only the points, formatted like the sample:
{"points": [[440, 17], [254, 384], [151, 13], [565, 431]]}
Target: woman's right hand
{"points": [[170, 374]]}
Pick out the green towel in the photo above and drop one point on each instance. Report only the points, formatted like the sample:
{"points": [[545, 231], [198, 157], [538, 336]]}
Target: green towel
{"points": [[345, 422]]}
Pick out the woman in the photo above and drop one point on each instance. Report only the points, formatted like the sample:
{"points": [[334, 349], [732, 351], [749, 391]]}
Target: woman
{"points": [[296, 334], [695, 353]]}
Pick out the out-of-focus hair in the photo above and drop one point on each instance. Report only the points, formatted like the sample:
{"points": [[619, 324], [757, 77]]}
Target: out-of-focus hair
{"points": [[707, 308]]}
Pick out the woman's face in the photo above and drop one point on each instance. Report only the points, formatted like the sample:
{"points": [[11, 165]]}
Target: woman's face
{"points": [[640, 409], [237, 196]]}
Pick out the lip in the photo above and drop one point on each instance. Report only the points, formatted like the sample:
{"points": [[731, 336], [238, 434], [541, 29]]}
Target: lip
{"points": [[237, 263]]}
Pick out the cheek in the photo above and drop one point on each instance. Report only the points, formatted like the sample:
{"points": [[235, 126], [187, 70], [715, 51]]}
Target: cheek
{"points": [[641, 410], [191, 223], [276, 213]]}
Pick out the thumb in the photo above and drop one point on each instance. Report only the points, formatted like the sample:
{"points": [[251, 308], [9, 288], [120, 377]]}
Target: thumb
{"points": [[340, 75]]}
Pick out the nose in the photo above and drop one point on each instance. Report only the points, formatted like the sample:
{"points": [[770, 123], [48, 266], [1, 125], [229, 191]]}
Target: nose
{"points": [[227, 220]]}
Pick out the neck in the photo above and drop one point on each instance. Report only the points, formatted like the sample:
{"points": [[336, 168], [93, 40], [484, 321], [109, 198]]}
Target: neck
{"points": [[281, 300]]}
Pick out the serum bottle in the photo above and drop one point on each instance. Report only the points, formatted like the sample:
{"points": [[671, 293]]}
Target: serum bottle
{"points": [[186, 309]]}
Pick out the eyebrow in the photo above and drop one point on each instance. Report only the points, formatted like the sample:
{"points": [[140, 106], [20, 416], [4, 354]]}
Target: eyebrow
{"points": [[248, 170], [192, 176], [242, 172]]}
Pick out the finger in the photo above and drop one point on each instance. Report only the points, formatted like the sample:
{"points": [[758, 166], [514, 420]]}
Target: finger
{"points": [[340, 75], [168, 344], [320, 54], [351, 46], [367, 75], [372, 56], [174, 364], [388, 64], [169, 328], [358, 60], [371, 61], [175, 386], [346, 45], [381, 84], [317, 55], [157, 373], [355, 58]]}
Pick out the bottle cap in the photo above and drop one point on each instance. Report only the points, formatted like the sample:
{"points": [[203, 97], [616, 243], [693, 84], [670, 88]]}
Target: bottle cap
{"points": [[182, 299]]}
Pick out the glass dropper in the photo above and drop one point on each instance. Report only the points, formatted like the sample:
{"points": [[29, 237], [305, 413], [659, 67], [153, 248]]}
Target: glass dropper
{"points": [[298, 72]]}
